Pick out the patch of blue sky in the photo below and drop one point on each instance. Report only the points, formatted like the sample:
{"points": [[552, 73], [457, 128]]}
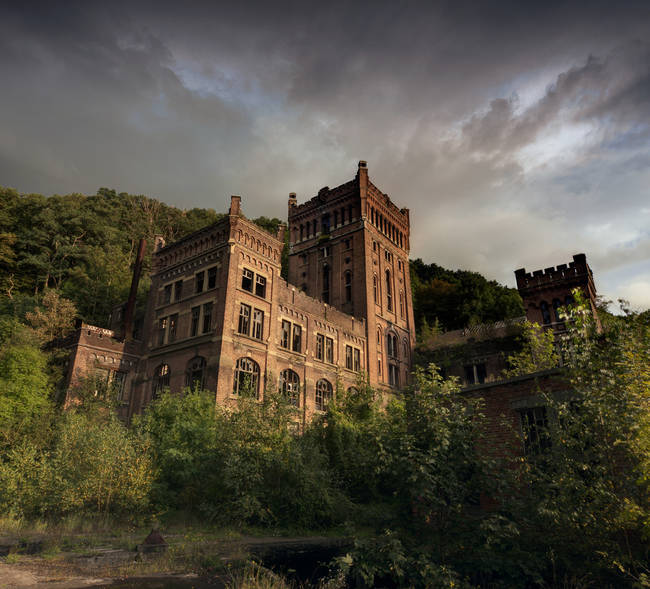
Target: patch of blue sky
{"points": [[229, 84]]}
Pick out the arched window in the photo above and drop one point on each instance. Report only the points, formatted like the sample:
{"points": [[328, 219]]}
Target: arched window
{"points": [[290, 387], [405, 347], [348, 286], [379, 338], [195, 375], [374, 287], [389, 292], [324, 393], [247, 378], [160, 380], [546, 315], [391, 345]]}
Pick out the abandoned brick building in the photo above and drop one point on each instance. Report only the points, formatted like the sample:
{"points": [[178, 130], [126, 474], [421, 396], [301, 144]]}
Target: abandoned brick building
{"points": [[220, 316]]}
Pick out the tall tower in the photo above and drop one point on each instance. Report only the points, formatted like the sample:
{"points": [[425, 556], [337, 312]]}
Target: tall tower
{"points": [[349, 247]]}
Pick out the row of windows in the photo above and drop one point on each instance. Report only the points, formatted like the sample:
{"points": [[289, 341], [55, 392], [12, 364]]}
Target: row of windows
{"points": [[327, 221], [173, 292], [386, 227], [557, 305], [347, 285], [246, 382], [168, 326]]}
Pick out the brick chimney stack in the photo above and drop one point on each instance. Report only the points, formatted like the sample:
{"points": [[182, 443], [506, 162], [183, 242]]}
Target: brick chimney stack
{"points": [[235, 206]]}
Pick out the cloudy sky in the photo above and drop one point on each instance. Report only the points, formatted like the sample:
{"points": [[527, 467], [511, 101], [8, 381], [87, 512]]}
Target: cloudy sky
{"points": [[518, 133]]}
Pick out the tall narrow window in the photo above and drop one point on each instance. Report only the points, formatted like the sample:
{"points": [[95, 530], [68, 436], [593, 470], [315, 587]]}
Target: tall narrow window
{"points": [[167, 294], [393, 375], [285, 334], [401, 303], [247, 378], [178, 290], [244, 319], [329, 350], [258, 324], [391, 345], [260, 286], [348, 286], [247, 280], [198, 282], [320, 346], [389, 292], [325, 224], [357, 360], [348, 357], [297, 338], [326, 284], [556, 309], [162, 329], [195, 375], [160, 380], [302, 232], [324, 393], [173, 326], [212, 277], [207, 317], [194, 324], [546, 315], [374, 288], [342, 216], [290, 387], [336, 218]]}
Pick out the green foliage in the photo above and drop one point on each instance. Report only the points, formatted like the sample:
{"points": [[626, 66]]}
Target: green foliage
{"points": [[456, 299], [538, 352], [239, 465]]}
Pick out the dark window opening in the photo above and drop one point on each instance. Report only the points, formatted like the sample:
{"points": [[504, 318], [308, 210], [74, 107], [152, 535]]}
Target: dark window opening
{"points": [[324, 393], [247, 280], [194, 325], [178, 290], [195, 373], [260, 286], [329, 350], [284, 335], [357, 360], [389, 292], [290, 387], [297, 338], [212, 277], [199, 282], [348, 287], [326, 284], [160, 380], [167, 294], [535, 430], [207, 317], [247, 378], [546, 315], [173, 325]]}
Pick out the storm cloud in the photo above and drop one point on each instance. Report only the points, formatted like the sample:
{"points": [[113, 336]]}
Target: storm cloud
{"points": [[517, 133]]}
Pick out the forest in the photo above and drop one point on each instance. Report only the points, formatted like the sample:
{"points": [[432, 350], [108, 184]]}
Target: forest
{"points": [[405, 479]]}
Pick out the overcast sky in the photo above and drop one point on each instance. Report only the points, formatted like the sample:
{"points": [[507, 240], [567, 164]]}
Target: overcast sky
{"points": [[518, 133]]}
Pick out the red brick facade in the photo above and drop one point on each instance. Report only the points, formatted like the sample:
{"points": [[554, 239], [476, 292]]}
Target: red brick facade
{"points": [[219, 315]]}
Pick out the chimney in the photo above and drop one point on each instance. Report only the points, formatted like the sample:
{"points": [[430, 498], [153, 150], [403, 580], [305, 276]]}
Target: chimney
{"points": [[130, 305], [235, 206]]}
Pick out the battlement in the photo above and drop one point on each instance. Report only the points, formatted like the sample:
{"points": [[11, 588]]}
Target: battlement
{"points": [[578, 269]]}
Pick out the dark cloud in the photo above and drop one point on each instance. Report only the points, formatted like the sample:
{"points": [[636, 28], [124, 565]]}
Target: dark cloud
{"points": [[517, 133]]}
